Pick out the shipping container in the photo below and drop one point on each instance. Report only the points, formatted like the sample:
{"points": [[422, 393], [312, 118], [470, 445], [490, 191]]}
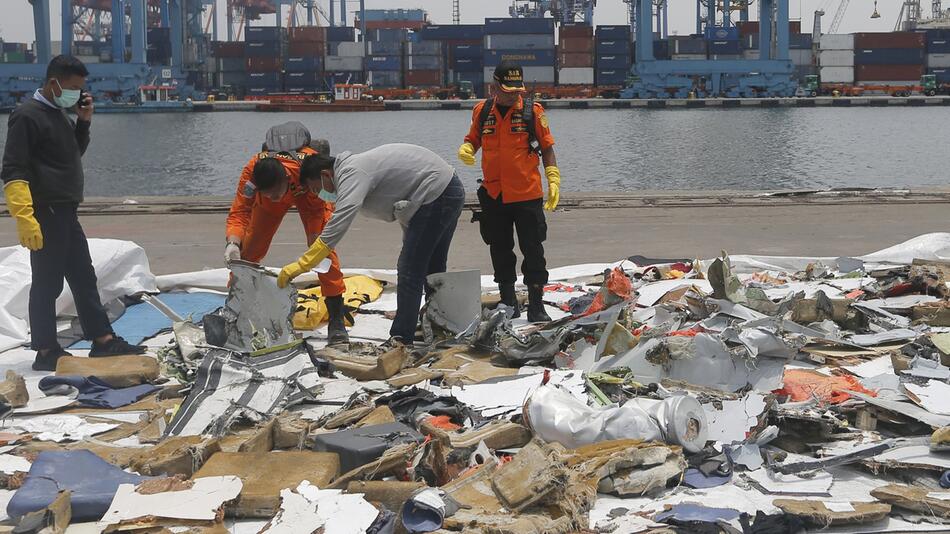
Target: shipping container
{"points": [[865, 73], [526, 58], [836, 74], [661, 49], [395, 14], [617, 33], [339, 63], [351, 50], [525, 25], [306, 48], [607, 47], [261, 91], [384, 63], [344, 76], [722, 33], [263, 64], [302, 78], [424, 48], [452, 32], [397, 35], [303, 64], [340, 34], [519, 42], [836, 58], [476, 78], [423, 63], [233, 78], [800, 72], [612, 61], [385, 48], [889, 40], [263, 49], [308, 33], [801, 57], [466, 64], [384, 79], [568, 60], [749, 27], [263, 79], [611, 76], [748, 54], [333, 49], [576, 76], [467, 51], [938, 45], [576, 45], [938, 60], [800, 41], [404, 25], [303, 89], [264, 33], [687, 45], [832, 41], [231, 64], [721, 47], [424, 78], [889, 56], [943, 75], [576, 29]]}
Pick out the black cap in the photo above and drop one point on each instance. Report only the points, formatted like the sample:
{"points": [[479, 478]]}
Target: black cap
{"points": [[509, 76]]}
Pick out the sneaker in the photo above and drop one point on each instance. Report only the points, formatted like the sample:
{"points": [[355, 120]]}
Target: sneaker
{"points": [[115, 347], [47, 361]]}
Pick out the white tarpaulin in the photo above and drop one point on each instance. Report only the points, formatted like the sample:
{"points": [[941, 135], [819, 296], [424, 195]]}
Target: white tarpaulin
{"points": [[121, 266]]}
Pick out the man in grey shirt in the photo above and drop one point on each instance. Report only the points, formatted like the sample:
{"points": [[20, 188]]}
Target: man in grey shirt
{"points": [[396, 182]]}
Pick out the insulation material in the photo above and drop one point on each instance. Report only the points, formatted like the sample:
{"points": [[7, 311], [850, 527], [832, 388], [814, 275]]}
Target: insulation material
{"points": [[805, 384], [10, 464], [60, 428], [729, 421], [507, 395], [555, 415], [198, 500], [310, 509], [121, 269]]}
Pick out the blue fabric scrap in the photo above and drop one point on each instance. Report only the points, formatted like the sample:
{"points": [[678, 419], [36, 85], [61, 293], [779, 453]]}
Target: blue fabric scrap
{"points": [[96, 393]]}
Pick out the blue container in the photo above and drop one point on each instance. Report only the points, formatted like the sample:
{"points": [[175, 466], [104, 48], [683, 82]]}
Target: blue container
{"points": [[344, 77], [262, 49], [889, 56], [453, 32], [687, 45], [398, 35], [467, 51], [301, 78], [423, 63], [613, 33], [384, 78], [385, 48], [611, 76], [424, 48], [661, 50], [609, 46], [263, 79], [799, 41], [938, 45], [341, 34], [525, 58], [467, 64], [719, 33], [612, 61], [943, 75], [727, 47], [264, 33], [303, 64], [384, 63], [531, 25]]}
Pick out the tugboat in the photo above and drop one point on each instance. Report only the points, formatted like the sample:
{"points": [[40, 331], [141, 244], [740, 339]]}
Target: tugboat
{"points": [[345, 97], [151, 99]]}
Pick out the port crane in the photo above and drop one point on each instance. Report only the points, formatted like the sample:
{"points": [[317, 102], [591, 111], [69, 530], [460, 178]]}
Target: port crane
{"points": [[563, 11]]}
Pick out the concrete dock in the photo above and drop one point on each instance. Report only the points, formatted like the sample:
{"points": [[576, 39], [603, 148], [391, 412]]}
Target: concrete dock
{"points": [[184, 234]]}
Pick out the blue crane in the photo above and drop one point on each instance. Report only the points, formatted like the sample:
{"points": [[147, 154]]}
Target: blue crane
{"points": [[564, 11]]}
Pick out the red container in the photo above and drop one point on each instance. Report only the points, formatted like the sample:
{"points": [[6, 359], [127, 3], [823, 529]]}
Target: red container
{"points": [[313, 34], [751, 27], [568, 60], [889, 40], [306, 49], [575, 45], [263, 64], [228, 49], [576, 30], [877, 73], [424, 78]]}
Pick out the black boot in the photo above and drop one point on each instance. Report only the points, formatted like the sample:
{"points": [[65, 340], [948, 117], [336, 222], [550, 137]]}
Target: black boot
{"points": [[336, 329], [536, 313], [510, 298]]}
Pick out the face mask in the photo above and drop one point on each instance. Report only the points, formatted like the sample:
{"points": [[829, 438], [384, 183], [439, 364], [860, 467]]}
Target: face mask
{"points": [[325, 195], [68, 98]]}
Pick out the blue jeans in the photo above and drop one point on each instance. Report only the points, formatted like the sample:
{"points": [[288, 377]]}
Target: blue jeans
{"points": [[425, 250]]}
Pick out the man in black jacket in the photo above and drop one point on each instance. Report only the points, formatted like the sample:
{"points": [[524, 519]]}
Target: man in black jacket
{"points": [[43, 183]]}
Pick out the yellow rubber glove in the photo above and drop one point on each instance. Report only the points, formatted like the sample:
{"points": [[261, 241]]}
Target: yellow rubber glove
{"points": [[314, 255], [554, 187], [20, 204], [467, 154]]}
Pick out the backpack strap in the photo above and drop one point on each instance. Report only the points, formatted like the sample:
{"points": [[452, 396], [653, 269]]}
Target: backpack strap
{"points": [[527, 115], [483, 115]]}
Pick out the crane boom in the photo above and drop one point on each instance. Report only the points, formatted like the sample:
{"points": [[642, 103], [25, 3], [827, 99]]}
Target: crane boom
{"points": [[839, 16]]}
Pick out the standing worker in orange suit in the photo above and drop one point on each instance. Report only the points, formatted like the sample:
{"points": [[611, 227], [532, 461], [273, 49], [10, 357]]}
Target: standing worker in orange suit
{"points": [[513, 134], [268, 187]]}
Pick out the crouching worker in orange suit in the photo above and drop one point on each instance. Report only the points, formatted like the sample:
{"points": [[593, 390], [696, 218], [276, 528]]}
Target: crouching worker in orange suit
{"points": [[269, 186]]}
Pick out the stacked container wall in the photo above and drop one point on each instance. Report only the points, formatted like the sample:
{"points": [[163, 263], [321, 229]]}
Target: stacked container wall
{"points": [[836, 74], [464, 64], [833, 41], [350, 50], [339, 63], [527, 58], [263, 49], [836, 58], [872, 73], [572, 60], [938, 60], [521, 25], [316, 34], [455, 32], [687, 45], [384, 79], [340, 34], [397, 35], [519, 42], [943, 75], [263, 64], [467, 51], [617, 33], [303, 64], [576, 76], [385, 48], [611, 47], [306, 48], [605, 77], [889, 56], [889, 40]]}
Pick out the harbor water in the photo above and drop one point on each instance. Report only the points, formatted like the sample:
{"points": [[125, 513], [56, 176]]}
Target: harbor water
{"points": [[598, 150]]}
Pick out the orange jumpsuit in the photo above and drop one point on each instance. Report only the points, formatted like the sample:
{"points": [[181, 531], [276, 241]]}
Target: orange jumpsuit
{"points": [[255, 218]]}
